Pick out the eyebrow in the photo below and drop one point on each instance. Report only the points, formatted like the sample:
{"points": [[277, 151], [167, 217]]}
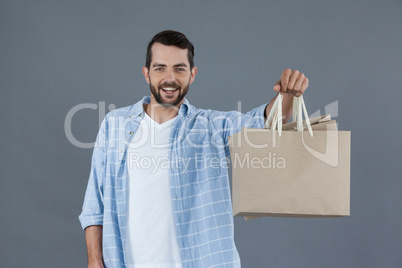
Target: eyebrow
{"points": [[180, 65], [164, 65]]}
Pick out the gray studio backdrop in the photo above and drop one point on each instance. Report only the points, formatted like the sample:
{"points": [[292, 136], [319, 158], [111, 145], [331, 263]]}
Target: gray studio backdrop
{"points": [[55, 55]]}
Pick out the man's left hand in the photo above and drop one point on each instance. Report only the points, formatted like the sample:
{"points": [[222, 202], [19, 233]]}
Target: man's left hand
{"points": [[293, 82]]}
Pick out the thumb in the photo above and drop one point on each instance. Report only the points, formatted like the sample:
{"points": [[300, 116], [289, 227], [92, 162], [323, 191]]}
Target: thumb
{"points": [[277, 86]]}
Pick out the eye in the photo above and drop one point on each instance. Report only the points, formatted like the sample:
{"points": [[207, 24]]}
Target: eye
{"points": [[180, 69], [159, 69]]}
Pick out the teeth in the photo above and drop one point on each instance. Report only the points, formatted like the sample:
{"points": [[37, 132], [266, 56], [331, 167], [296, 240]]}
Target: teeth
{"points": [[169, 88]]}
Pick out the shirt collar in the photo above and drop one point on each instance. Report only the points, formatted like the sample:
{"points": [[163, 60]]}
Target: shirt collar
{"points": [[137, 109]]}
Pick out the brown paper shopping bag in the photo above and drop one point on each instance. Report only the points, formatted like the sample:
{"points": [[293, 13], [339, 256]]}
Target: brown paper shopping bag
{"points": [[304, 173]]}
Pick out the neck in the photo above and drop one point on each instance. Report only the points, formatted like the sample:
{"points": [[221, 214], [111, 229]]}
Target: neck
{"points": [[160, 113]]}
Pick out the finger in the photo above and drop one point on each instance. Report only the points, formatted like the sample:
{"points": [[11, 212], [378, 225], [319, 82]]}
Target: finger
{"points": [[303, 87], [293, 79], [299, 82], [285, 80], [277, 86]]}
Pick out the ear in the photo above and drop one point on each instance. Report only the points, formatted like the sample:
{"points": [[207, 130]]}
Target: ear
{"points": [[145, 72], [193, 74]]}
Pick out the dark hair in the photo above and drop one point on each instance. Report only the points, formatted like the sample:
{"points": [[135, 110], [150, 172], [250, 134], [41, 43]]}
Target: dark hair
{"points": [[171, 38]]}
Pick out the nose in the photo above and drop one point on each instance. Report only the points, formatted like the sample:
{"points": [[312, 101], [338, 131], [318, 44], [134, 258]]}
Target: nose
{"points": [[170, 76]]}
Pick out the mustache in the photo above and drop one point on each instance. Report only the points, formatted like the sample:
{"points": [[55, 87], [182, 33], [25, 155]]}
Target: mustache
{"points": [[170, 84]]}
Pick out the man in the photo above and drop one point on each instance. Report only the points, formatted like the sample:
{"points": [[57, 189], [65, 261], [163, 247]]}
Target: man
{"points": [[142, 211]]}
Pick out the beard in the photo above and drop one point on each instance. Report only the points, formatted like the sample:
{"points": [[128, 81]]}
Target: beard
{"points": [[168, 102]]}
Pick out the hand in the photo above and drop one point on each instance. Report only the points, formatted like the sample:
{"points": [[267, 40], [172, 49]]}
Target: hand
{"points": [[293, 82]]}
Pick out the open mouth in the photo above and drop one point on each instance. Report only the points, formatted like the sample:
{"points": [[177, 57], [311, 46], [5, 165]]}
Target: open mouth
{"points": [[169, 90]]}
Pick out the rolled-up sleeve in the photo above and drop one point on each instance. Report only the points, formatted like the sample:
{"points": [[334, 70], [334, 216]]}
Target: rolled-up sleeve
{"points": [[92, 209]]}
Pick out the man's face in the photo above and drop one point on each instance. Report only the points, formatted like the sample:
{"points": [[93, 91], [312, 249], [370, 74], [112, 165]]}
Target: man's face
{"points": [[169, 75]]}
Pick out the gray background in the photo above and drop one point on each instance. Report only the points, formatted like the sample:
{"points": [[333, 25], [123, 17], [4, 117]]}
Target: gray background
{"points": [[57, 54]]}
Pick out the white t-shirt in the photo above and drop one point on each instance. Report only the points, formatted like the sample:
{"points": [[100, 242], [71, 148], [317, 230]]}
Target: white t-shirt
{"points": [[151, 235]]}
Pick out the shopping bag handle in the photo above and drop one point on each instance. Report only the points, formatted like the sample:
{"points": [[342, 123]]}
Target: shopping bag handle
{"points": [[299, 108]]}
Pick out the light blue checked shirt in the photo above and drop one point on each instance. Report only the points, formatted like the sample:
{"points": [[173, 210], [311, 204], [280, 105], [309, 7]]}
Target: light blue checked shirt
{"points": [[199, 182]]}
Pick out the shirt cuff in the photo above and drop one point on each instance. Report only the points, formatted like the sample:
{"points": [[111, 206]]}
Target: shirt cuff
{"points": [[259, 115], [88, 220]]}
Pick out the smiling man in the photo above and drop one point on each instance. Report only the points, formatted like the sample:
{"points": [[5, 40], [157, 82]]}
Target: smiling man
{"points": [[169, 71], [156, 196], [171, 83]]}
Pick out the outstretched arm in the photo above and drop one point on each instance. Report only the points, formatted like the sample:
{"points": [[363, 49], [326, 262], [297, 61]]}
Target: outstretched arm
{"points": [[292, 84]]}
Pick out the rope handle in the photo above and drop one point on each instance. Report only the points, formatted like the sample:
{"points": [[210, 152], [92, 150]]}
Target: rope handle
{"points": [[299, 108]]}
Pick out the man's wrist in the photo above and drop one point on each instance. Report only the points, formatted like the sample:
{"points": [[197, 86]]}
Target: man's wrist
{"points": [[96, 264]]}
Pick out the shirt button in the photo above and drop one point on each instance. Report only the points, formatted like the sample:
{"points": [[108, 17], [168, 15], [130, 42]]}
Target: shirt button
{"points": [[131, 133]]}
